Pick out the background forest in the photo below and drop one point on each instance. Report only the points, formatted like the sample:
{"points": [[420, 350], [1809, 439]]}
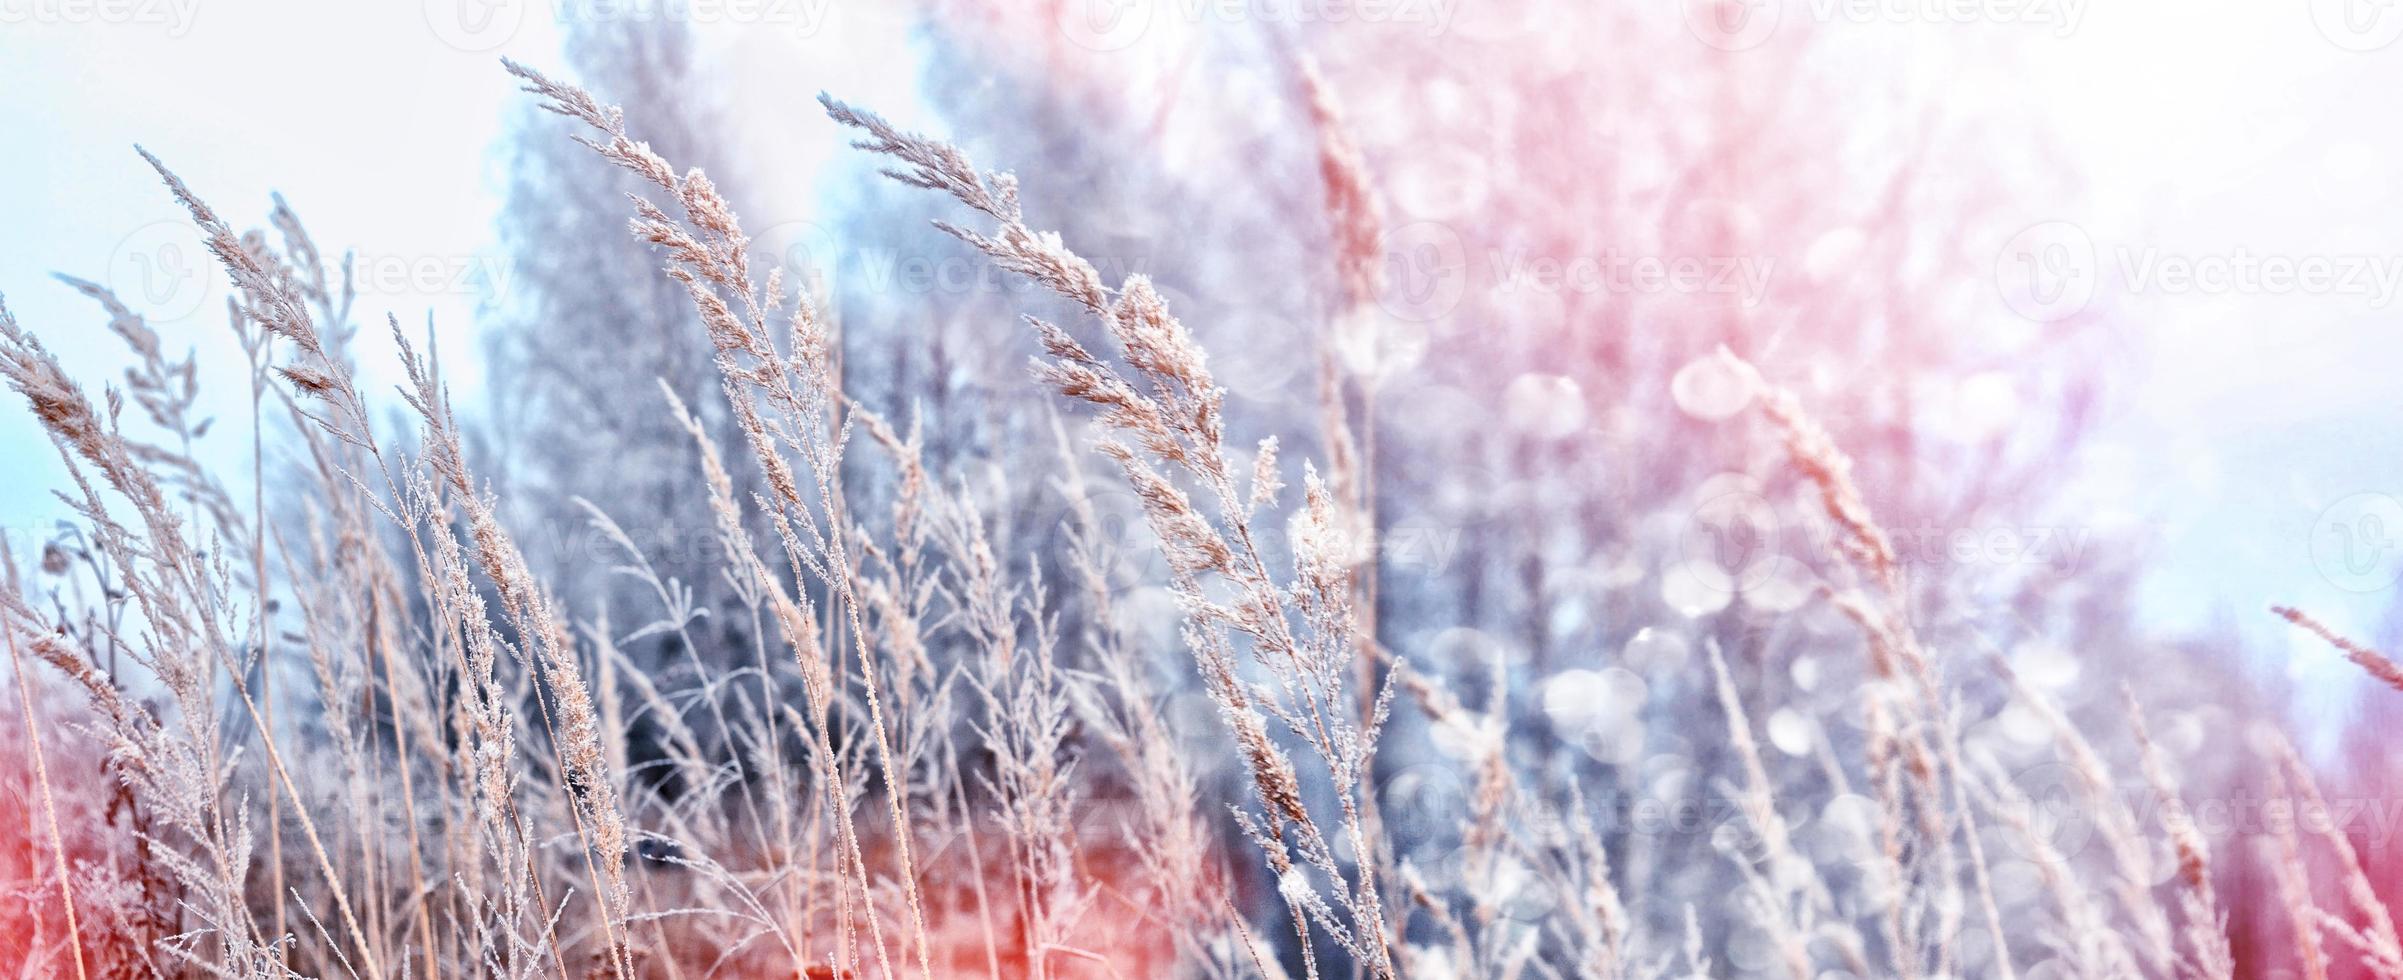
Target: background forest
{"points": [[1549, 489]]}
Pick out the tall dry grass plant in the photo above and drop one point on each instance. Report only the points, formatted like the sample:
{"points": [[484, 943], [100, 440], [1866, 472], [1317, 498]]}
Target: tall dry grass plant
{"points": [[940, 751]]}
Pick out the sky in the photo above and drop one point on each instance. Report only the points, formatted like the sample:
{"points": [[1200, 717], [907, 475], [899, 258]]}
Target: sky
{"points": [[2261, 433], [2256, 457], [372, 128], [375, 121]]}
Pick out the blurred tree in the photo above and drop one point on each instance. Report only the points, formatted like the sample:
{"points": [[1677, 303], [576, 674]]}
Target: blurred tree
{"points": [[588, 328]]}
